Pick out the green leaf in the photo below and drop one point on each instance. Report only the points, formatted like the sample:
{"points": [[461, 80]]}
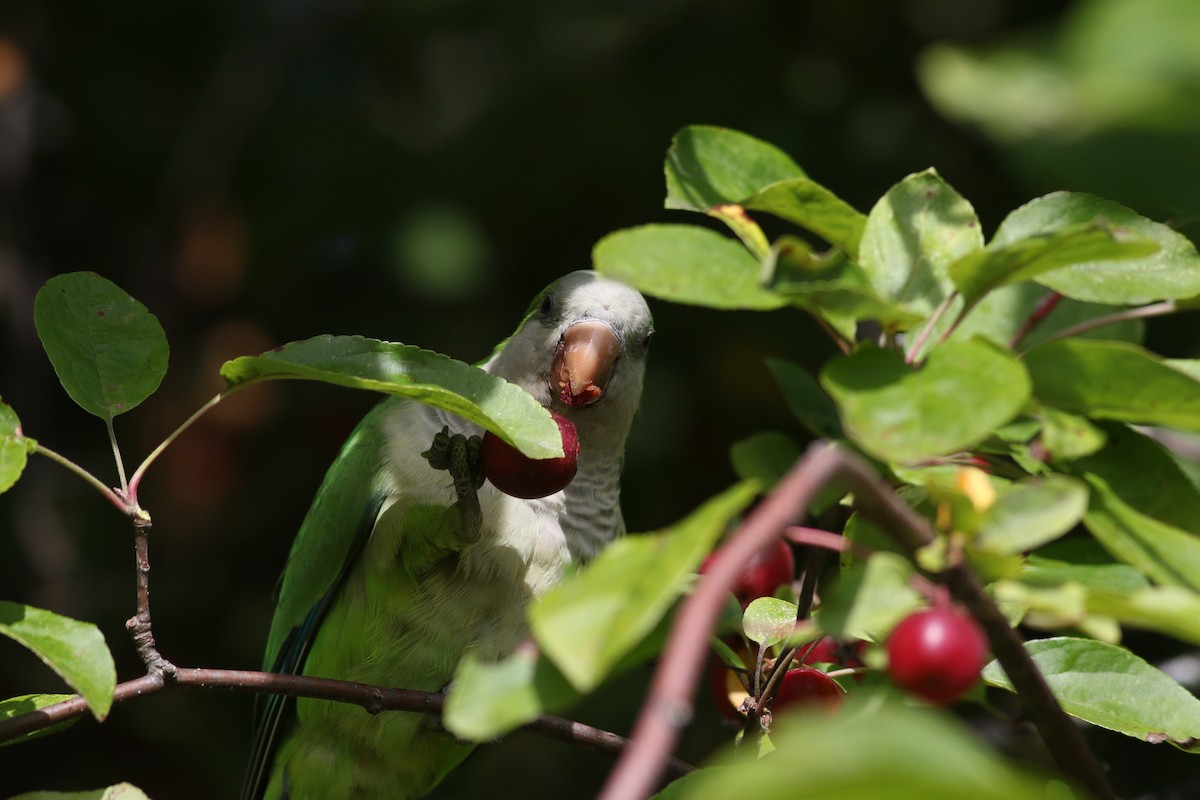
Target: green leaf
{"points": [[1066, 437], [360, 363], [1113, 380], [74, 649], [769, 620], [869, 598], [764, 457], [807, 400], [1162, 551], [1173, 272], [963, 392], [14, 447], [813, 207], [978, 273], [867, 751], [587, 623], [1031, 513], [912, 236], [24, 704], [489, 699], [109, 352], [707, 166], [1111, 687], [685, 264], [1039, 571], [120, 791], [1171, 610], [831, 286]]}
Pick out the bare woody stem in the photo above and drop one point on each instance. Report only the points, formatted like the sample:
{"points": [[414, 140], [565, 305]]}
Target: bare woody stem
{"points": [[668, 705], [374, 699], [139, 624]]}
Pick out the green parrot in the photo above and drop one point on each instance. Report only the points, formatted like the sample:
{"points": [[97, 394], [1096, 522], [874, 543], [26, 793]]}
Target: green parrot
{"points": [[383, 587]]}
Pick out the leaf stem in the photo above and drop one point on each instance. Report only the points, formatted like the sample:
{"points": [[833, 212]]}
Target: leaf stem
{"points": [[1042, 310], [931, 323], [1140, 312], [112, 440], [187, 423], [112, 496]]}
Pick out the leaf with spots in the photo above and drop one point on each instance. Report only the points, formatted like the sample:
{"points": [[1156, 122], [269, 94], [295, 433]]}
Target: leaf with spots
{"points": [[109, 351]]}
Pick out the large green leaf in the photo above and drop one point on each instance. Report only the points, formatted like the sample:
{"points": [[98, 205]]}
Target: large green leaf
{"points": [[813, 207], [75, 650], [963, 392], [409, 371], [807, 400], [685, 264], [1113, 380], [764, 457], [109, 352], [1164, 552], [707, 166], [1031, 513], [830, 285], [869, 598], [14, 447], [867, 751], [489, 699], [978, 273], [913, 235], [1171, 272], [1111, 687], [590, 621]]}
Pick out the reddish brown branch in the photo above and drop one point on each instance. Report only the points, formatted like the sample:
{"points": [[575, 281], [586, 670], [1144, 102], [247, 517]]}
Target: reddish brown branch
{"points": [[668, 705], [375, 699]]}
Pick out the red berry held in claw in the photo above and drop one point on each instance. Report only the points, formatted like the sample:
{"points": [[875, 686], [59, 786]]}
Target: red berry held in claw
{"points": [[516, 474], [765, 572], [936, 654], [807, 688]]}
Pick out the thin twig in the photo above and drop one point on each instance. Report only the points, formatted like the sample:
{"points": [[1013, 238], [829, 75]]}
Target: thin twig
{"points": [[156, 452], [374, 699], [139, 624], [1042, 310], [930, 324], [1125, 315], [116, 449], [668, 705]]}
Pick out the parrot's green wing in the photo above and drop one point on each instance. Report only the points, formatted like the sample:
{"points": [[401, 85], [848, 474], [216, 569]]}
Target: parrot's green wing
{"points": [[333, 535]]}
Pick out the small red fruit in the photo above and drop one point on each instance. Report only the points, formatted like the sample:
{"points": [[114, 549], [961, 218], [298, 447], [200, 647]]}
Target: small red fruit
{"points": [[516, 474], [936, 654], [765, 572], [806, 687]]}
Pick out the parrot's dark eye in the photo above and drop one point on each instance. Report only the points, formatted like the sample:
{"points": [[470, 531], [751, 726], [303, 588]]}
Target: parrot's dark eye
{"points": [[646, 340], [546, 309]]}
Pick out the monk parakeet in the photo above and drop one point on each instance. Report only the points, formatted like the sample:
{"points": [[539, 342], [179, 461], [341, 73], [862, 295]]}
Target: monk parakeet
{"points": [[383, 584]]}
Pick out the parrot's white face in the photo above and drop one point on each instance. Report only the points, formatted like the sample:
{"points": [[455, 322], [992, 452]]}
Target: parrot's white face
{"points": [[582, 353]]}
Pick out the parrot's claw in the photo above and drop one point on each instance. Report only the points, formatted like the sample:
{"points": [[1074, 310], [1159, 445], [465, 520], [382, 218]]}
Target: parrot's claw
{"points": [[462, 457]]}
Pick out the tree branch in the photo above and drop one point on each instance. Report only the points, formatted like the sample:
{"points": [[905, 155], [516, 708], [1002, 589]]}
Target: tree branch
{"points": [[668, 704], [374, 699]]}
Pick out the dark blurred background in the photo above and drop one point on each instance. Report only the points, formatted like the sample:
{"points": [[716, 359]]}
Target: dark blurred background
{"points": [[259, 171]]}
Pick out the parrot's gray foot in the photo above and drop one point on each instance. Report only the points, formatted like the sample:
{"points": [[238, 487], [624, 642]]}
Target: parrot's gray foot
{"points": [[461, 457]]}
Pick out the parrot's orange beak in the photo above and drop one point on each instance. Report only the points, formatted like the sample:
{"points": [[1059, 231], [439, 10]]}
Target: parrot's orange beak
{"points": [[584, 362]]}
